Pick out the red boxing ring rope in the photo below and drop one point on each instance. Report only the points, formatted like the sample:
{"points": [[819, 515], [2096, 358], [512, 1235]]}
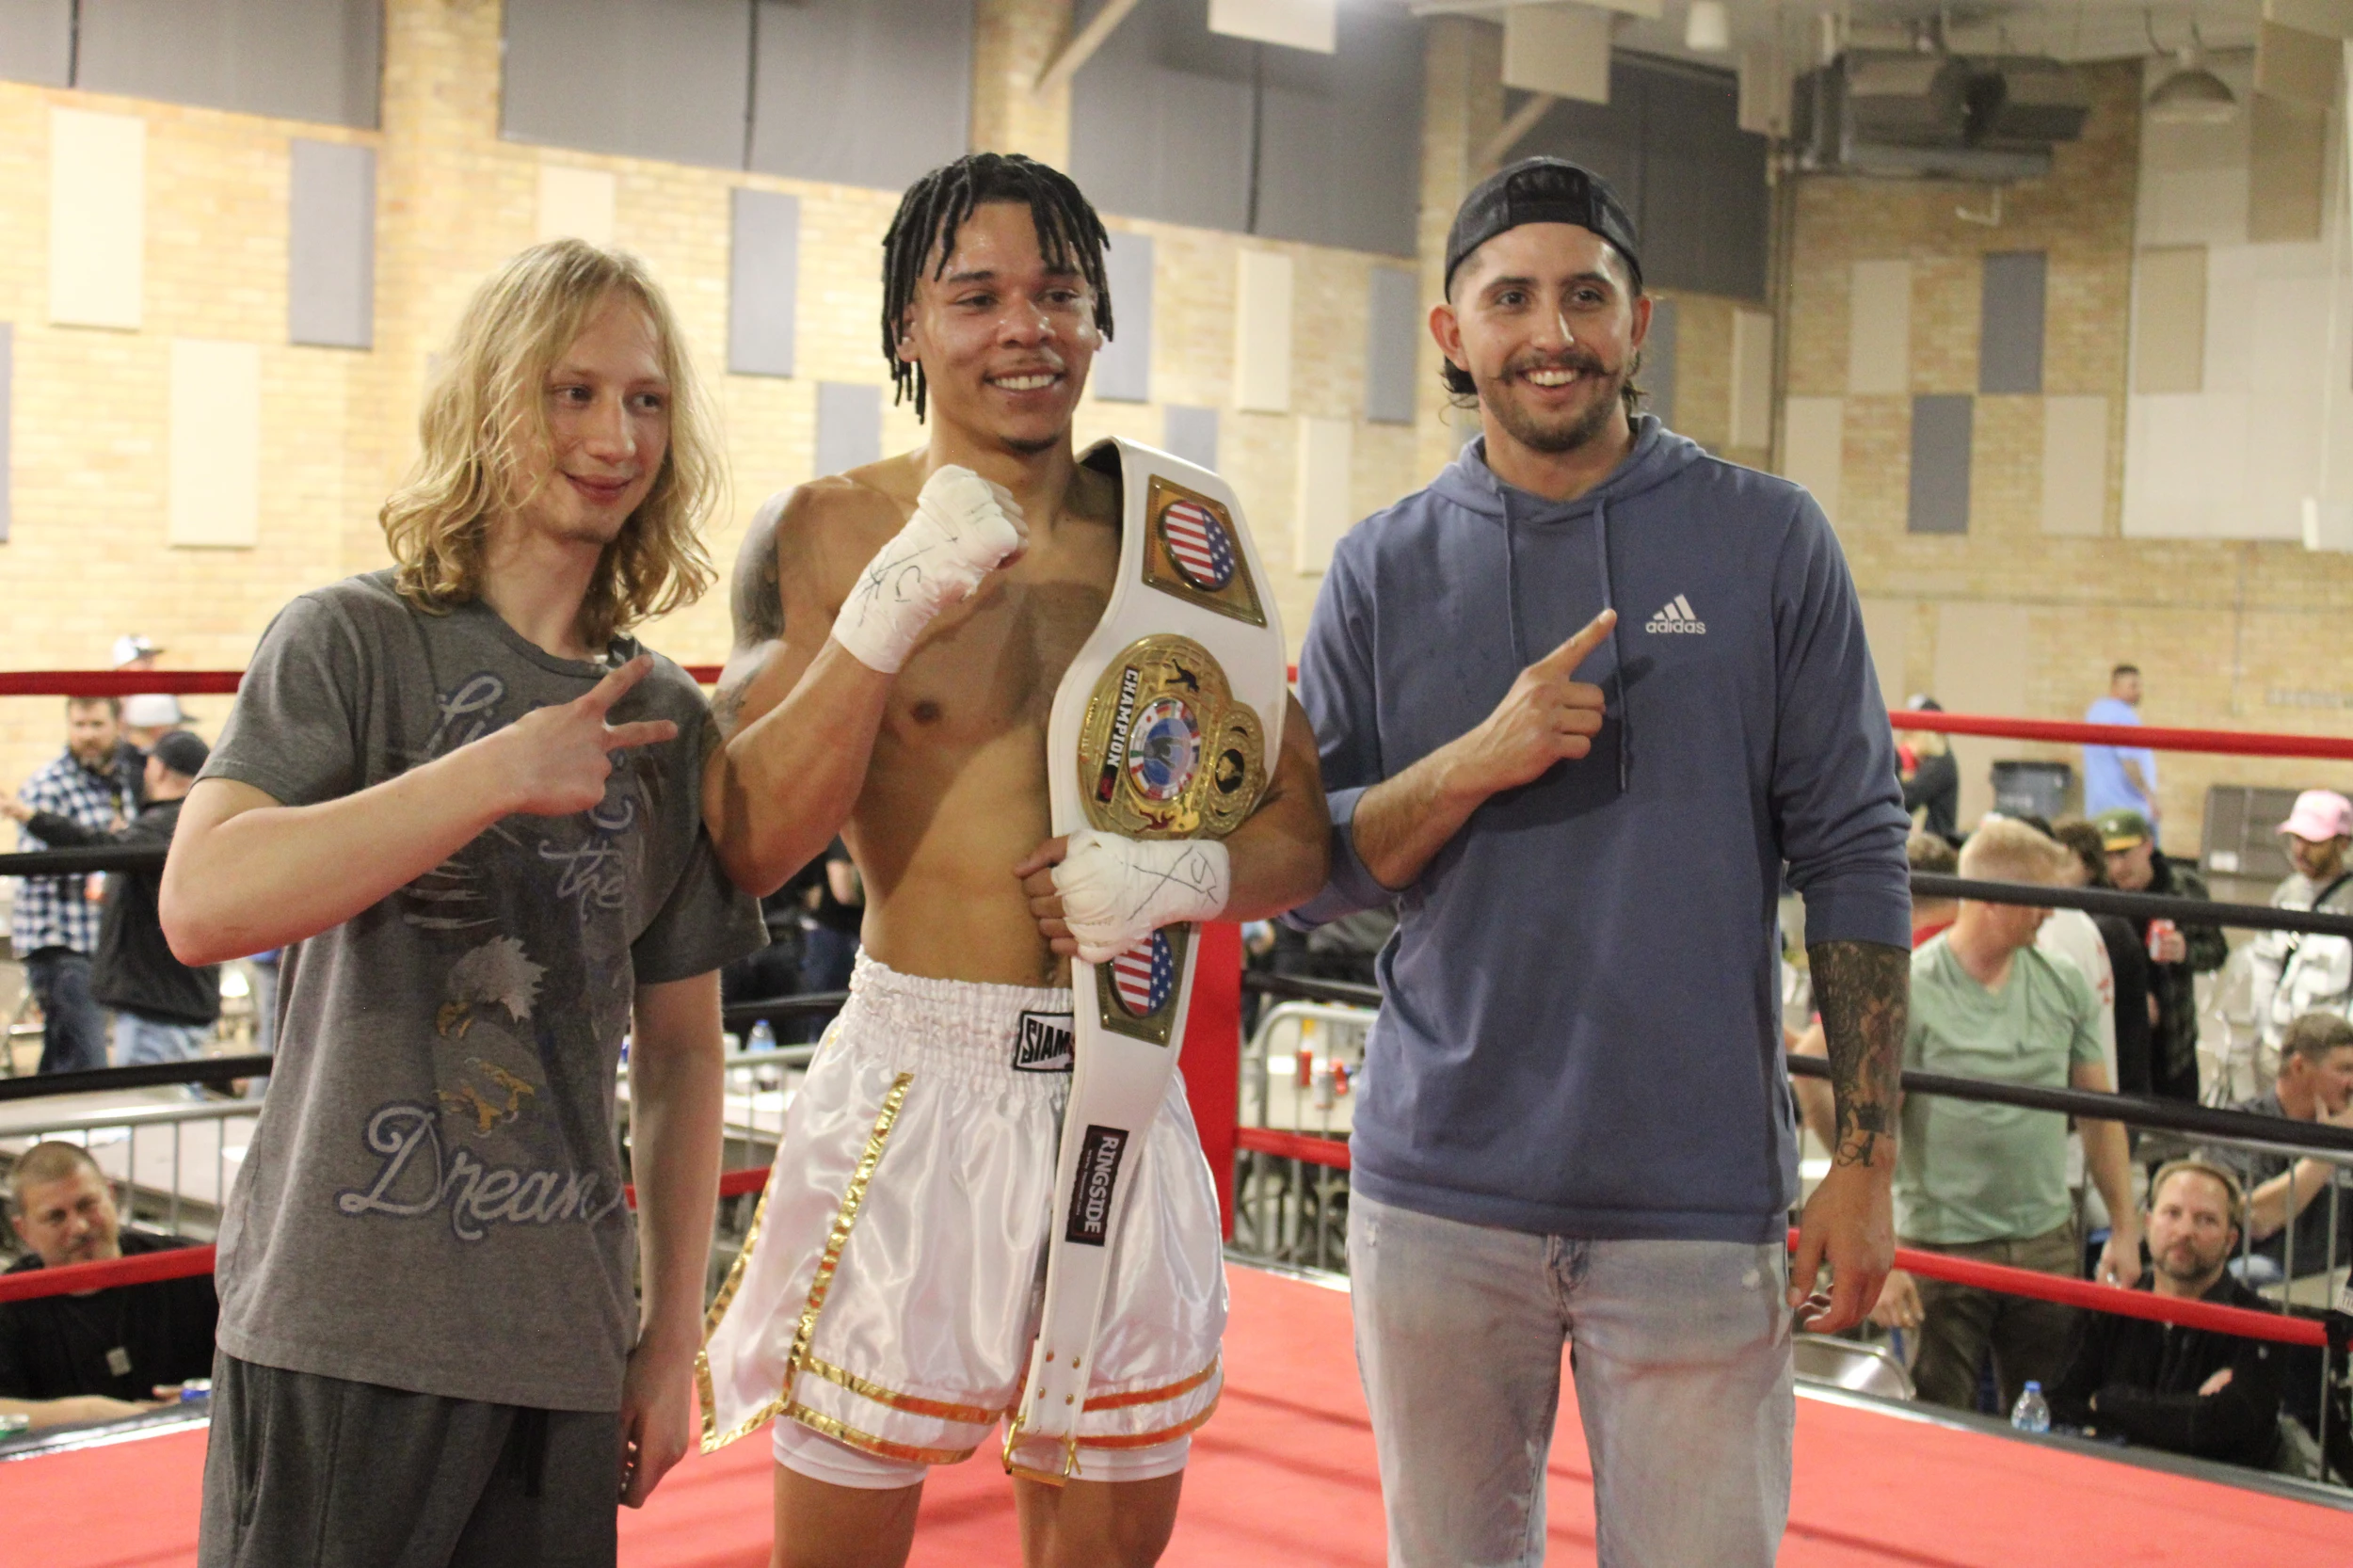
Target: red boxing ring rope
{"points": [[96, 683], [179, 1262], [2243, 1321], [2221, 743]]}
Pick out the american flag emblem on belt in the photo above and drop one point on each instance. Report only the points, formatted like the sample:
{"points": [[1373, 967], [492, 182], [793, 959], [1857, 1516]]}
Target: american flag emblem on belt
{"points": [[1144, 975], [1197, 542]]}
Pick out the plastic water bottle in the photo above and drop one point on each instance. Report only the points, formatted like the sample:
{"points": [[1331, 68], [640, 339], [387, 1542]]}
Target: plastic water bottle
{"points": [[762, 1038], [2033, 1412]]}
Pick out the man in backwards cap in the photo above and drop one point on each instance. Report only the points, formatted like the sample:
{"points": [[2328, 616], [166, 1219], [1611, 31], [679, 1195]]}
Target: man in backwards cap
{"points": [[1576, 1120]]}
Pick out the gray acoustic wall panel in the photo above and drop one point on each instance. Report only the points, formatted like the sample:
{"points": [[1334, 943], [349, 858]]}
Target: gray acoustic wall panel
{"points": [[1161, 119], [1940, 463], [651, 78], [861, 92], [330, 245], [37, 42], [1392, 345], [1190, 434], [1669, 142], [2010, 325], [7, 377], [298, 59], [849, 426], [1339, 149], [1123, 371], [1658, 361], [763, 282]]}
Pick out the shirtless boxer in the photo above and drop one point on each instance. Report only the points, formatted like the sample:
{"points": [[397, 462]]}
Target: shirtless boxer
{"points": [[901, 632]]}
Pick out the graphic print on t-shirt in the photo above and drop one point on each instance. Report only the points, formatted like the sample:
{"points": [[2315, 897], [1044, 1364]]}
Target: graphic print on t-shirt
{"points": [[529, 897]]}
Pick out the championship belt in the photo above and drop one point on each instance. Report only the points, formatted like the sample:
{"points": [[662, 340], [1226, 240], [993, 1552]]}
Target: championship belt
{"points": [[1165, 726]]}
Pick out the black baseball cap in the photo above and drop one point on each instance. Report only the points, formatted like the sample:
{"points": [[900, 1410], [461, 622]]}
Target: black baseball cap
{"points": [[1540, 190], [182, 752]]}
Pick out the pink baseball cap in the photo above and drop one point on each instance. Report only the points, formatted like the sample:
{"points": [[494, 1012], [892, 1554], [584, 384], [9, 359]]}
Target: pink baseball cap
{"points": [[2320, 815]]}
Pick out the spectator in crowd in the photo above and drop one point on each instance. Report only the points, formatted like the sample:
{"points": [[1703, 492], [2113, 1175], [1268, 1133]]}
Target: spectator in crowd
{"points": [[835, 902], [2296, 972], [774, 971], [2128, 957], [1932, 778], [2316, 1084], [2179, 951], [1988, 1182], [55, 925], [108, 1354], [2120, 779], [163, 1010], [2187, 1390], [145, 719]]}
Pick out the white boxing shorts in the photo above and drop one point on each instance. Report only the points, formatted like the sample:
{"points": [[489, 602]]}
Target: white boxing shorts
{"points": [[887, 1295]]}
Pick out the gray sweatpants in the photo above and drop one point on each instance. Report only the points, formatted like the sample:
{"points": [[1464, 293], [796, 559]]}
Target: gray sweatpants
{"points": [[305, 1471]]}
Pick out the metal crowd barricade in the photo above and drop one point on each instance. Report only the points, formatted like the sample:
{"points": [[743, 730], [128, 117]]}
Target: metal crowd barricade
{"points": [[1290, 1211]]}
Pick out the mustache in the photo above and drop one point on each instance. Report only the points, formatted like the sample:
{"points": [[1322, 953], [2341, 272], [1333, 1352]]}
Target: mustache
{"points": [[1583, 361]]}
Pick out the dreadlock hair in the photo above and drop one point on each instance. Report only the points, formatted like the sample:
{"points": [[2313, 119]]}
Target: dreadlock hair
{"points": [[1069, 235]]}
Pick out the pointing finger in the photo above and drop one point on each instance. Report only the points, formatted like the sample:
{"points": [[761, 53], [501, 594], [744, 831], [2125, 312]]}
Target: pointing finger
{"points": [[1572, 653], [614, 686], [645, 733]]}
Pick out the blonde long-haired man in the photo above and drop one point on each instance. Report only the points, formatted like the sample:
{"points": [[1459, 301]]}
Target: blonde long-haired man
{"points": [[471, 798]]}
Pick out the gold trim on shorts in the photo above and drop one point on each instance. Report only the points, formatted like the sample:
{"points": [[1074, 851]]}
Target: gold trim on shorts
{"points": [[1153, 1439], [866, 1442], [837, 1238], [914, 1404], [1147, 1396]]}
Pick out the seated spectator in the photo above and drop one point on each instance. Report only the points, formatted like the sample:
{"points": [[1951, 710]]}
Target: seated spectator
{"points": [[2316, 1084], [102, 1355], [2296, 972], [2128, 957], [163, 1010], [2187, 1390], [1988, 1182], [2179, 951]]}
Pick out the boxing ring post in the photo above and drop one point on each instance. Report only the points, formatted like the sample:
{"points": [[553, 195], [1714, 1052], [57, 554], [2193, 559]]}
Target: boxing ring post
{"points": [[1211, 1059]]}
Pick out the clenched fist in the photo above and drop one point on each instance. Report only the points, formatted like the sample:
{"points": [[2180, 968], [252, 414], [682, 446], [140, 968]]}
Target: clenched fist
{"points": [[963, 529]]}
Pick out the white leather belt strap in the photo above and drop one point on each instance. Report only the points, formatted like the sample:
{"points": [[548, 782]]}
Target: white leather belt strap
{"points": [[1166, 725]]}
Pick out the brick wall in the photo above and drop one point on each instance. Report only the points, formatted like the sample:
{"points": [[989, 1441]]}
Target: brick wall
{"points": [[87, 559], [2230, 634]]}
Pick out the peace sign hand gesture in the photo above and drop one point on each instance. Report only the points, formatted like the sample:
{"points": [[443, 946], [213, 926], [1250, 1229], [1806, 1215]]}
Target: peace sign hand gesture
{"points": [[554, 761]]}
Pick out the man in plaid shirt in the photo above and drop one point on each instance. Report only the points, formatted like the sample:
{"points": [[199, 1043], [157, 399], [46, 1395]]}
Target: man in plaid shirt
{"points": [[56, 925]]}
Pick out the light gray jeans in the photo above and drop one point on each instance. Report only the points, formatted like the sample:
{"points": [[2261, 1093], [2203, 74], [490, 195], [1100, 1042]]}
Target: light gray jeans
{"points": [[1683, 1379]]}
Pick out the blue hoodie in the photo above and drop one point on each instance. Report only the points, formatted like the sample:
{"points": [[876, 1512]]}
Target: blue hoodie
{"points": [[1582, 1029]]}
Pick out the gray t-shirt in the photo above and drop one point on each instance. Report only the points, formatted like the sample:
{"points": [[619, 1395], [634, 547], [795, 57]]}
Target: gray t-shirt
{"points": [[433, 1199]]}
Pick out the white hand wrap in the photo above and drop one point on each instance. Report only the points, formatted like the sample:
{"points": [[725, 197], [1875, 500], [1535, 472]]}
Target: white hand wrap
{"points": [[1116, 891], [962, 530]]}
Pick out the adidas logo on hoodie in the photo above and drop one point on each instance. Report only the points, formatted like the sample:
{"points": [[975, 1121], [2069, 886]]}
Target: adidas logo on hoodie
{"points": [[1677, 617]]}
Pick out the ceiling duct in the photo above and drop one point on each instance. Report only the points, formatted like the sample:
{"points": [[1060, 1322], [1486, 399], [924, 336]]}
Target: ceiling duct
{"points": [[1905, 115], [2026, 101]]}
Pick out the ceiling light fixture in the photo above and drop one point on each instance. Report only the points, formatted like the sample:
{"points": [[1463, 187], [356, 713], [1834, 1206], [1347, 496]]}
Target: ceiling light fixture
{"points": [[2192, 95]]}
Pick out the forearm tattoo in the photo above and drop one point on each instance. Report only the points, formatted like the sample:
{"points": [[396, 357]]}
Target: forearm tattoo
{"points": [[1863, 990]]}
